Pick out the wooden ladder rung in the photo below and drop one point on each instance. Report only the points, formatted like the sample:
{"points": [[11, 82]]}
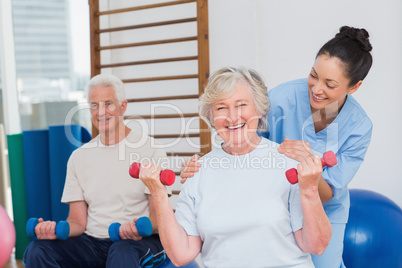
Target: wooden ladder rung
{"points": [[150, 43], [122, 64], [116, 11], [181, 97], [176, 136], [160, 116], [182, 153], [175, 192], [161, 78], [146, 25]]}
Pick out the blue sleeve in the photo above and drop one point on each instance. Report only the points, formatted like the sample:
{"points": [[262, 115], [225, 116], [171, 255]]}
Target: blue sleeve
{"points": [[350, 157]]}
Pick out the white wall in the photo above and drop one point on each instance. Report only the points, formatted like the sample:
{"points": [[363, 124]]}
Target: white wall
{"points": [[280, 39]]}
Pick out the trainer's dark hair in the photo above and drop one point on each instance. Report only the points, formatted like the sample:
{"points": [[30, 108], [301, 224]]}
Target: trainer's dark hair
{"points": [[352, 47]]}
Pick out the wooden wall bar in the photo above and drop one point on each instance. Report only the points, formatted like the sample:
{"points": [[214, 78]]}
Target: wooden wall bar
{"points": [[200, 57]]}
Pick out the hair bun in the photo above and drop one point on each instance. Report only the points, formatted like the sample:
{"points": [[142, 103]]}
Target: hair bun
{"points": [[359, 35]]}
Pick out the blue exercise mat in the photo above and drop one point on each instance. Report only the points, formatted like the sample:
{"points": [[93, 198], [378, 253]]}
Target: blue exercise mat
{"points": [[63, 140], [37, 176]]}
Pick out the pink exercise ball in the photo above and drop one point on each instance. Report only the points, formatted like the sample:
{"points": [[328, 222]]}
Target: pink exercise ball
{"points": [[7, 237]]}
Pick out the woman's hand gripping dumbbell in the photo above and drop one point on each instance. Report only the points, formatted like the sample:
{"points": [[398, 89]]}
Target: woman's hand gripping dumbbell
{"points": [[62, 229], [143, 224], [167, 176], [328, 159]]}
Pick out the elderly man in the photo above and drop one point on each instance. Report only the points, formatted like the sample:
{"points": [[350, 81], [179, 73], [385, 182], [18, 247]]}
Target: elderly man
{"points": [[100, 192]]}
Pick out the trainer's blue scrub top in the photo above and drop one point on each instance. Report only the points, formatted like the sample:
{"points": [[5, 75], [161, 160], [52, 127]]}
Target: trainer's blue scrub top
{"points": [[348, 136]]}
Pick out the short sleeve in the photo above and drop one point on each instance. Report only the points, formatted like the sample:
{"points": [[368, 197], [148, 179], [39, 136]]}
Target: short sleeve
{"points": [[186, 207], [295, 208], [72, 188]]}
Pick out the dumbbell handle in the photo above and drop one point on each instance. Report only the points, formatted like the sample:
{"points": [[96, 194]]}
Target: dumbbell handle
{"points": [[167, 176], [328, 159], [62, 228], [144, 228]]}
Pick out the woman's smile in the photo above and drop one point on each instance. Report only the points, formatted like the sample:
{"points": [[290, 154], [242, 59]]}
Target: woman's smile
{"points": [[236, 127], [317, 98]]}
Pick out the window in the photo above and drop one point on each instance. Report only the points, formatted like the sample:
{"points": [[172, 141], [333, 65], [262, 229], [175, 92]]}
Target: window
{"points": [[52, 61]]}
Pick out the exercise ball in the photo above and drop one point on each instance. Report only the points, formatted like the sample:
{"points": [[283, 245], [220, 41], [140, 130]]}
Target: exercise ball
{"points": [[7, 237], [373, 235], [168, 264]]}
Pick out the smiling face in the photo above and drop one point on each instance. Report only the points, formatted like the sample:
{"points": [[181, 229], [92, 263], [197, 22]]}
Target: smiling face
{"points": [[327, 84], [106, 111], [236, 120]]}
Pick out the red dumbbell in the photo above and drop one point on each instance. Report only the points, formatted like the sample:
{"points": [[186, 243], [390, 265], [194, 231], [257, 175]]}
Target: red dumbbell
{"points": [[167, 176], [328, 160]]}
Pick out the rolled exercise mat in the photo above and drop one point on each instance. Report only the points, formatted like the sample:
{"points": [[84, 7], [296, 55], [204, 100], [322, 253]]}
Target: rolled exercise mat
{"points": [[63, 140], [85, 135], [17, 179], [37, 175]]}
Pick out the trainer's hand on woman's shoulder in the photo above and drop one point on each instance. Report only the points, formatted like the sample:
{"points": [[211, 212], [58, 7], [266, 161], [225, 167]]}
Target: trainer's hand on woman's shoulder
{"points": [[295, 149], [189, 167]]}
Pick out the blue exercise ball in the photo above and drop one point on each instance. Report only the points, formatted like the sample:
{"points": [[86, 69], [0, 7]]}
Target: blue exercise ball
{"points": [[168, 264], [373, 235]]}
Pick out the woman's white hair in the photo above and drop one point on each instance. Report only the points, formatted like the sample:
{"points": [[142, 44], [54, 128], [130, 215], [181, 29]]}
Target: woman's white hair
{"points": [[222, 84], [107, 80]]}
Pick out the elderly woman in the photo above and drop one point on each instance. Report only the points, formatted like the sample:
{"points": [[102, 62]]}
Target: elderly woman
{"points": [[239, 210]]}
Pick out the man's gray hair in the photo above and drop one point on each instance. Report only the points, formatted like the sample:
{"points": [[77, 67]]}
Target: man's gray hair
{"points": [[107, 80]]}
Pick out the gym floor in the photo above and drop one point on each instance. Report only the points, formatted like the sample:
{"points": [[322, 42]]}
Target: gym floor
{"points": [[13, 263]]}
